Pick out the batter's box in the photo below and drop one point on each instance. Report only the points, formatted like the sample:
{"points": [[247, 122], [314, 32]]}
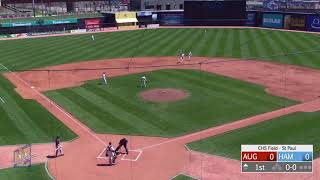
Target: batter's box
{"points": [[133, 155]]}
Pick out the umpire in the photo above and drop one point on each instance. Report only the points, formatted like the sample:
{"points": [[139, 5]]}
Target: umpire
{"points": [[123, 142]]}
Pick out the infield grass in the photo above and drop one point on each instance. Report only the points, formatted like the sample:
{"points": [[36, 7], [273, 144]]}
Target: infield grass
{"points": [[183, 177], [277, 46], [296, 128], [214, 100], [35, 172], [25, 121]]}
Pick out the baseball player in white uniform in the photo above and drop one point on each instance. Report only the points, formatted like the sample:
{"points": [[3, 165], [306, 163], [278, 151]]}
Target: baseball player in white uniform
{"points": [[144, 81], [92, 37], [182, 57], [110, 152], [104, 77], [190, 55], [59, 149]]}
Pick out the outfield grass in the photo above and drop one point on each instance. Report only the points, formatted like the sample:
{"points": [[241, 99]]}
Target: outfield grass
{"points": [[183, 177], [214, 100], [297, 128], [237, 43], [26, 121], [35, 172]]}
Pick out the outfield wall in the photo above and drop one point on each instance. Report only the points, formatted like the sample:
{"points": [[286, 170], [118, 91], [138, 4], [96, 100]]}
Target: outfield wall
{"points": [[278, 20], [41, 26]]}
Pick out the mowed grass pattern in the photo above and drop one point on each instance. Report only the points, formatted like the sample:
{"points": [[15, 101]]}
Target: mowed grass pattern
{"points": [[297, 128], [35, 172], [26, 121], [284, 47], [183, 177], [116, 108]]}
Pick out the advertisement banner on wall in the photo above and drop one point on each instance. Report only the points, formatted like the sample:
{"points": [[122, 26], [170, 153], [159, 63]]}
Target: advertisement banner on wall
{"points": [[92, 23], [154, 17], [62, 21], [272, 20], [144, 13], [296, 21], [251, 19], [126, 15], [313, 23], [19, 24], [273, 5], [43, 22], [171, 19]]}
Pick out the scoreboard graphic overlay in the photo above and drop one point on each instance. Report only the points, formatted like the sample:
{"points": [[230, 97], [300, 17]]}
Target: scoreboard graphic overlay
{"points": [[22, 156], [276, 158]]}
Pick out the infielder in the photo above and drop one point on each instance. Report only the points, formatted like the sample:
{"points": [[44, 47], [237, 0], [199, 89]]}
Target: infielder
{"points": [[104, 78], [190, 55], [59, 150], [182, 57], [110, 152], [144, 81]]}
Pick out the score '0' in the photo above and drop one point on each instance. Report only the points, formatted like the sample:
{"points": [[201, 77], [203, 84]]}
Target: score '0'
{"points": [[307, 156], [271, 156]]}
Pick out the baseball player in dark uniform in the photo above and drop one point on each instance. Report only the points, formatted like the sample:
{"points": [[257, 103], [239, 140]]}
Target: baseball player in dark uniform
{"points": [[123, 142]]}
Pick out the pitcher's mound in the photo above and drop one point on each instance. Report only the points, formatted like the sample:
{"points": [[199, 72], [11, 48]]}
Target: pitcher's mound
{"points": [[163, 95]]}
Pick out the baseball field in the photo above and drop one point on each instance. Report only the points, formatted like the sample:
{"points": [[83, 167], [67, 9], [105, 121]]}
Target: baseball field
{"points": [[242, 86]]}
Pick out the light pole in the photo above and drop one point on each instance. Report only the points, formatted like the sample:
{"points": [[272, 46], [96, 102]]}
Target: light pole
{"points": [[33, 8]]}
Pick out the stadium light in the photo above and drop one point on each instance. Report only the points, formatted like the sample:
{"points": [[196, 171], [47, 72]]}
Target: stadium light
{"points": [[33, 8]]}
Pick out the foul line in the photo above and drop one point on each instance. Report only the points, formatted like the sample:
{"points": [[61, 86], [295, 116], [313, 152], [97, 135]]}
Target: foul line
{"points": [[100, 155], [47, 170], [216, 128], [2, 100], [56, 106]]}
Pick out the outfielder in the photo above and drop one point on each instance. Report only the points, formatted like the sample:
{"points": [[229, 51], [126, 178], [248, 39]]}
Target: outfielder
{"points": [[104, 77], [144, 81], [92, 37]]}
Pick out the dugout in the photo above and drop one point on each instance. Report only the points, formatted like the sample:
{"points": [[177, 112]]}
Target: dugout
{"points": [[126, 20]]}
